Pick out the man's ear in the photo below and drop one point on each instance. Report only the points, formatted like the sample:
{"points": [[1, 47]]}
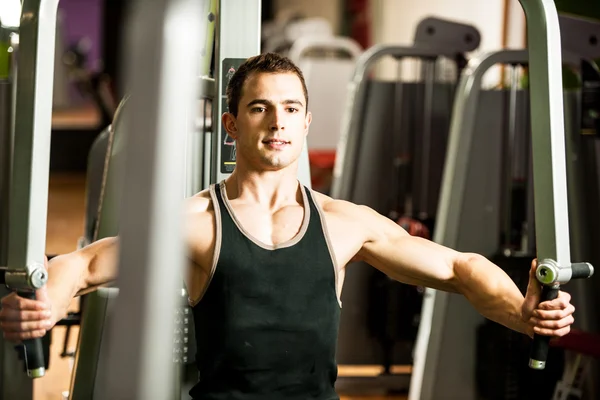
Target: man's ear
{"points": [[229, 122], [307, 122]]}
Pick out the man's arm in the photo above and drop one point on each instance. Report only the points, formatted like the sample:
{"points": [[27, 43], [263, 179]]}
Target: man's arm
{"points": [[488, 288], [68, 275], [95, 265], [75, 273]]}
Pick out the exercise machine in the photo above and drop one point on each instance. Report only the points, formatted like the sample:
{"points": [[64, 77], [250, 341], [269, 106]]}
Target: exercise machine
{"points": [[389, 130], [23, 270], [445, 352]]}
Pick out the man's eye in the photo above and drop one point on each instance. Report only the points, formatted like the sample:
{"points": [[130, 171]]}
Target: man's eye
{"points": [[258, 109], [292, 109]]}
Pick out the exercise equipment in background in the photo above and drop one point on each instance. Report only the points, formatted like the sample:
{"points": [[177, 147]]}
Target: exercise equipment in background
{"points": [[471, 198], [390, 129]]}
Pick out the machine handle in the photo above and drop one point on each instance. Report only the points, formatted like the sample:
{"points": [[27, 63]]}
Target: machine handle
{"points": [[33, 354], [539, 349], [582, 270]]}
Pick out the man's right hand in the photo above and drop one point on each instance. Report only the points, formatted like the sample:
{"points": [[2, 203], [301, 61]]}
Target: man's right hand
{"points": [[22, 319]]}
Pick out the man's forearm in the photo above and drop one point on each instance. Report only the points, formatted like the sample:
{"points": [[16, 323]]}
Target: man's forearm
{"points": [[71, 273], [491, 291]]}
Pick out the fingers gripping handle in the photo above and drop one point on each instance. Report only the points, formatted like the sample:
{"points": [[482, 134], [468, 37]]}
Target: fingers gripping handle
{"points": [[550, 274], [25, 283], [34, 351], [539, 349]]}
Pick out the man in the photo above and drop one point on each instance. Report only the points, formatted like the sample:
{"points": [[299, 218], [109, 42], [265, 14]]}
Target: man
{"points": [[268, 257]]}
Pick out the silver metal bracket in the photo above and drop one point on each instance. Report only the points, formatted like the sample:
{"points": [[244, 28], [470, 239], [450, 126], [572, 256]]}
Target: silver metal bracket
{"points": [[549, 272], [31, 278]]}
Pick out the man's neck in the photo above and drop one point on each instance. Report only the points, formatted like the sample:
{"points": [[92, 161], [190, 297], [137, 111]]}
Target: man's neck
{"points": [[272, 189]]}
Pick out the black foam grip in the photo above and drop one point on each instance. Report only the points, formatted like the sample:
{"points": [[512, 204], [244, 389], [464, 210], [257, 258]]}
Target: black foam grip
{"points": [[34, 351], [581, 270], [539, 349]]}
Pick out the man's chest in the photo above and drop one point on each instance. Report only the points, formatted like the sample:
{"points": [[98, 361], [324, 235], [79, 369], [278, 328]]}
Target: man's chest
{"points": [[273, 229], [343, 239]]}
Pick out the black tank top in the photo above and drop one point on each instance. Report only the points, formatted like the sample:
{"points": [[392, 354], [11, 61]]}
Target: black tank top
{"points": [[267, 325]]}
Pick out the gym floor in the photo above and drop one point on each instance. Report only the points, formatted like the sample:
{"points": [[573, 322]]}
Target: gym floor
{"points": [[66, 208]]}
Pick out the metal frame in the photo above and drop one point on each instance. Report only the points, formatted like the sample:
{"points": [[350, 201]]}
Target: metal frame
{"points": [[195, 146], [162, 73], [428, 344], [92, 331], [8, 358], [30, 174], [449, 210], [434, 38], [547, 127], [351, 133], [96, 305], [549, 160], [198, 145], [7, 355], [549, 166], [428, 49], [5, 161], [29, 188], [433, 314], [7, 95], [231, 44]]}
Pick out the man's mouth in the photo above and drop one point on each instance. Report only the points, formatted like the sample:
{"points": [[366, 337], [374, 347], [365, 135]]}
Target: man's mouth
{"points": [[276, 141], [275, 144]]}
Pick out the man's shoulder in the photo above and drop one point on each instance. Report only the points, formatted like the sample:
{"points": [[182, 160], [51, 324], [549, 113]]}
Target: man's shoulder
{"points": [[351, 224], [200, 203], [199, 218], [336, 207]]}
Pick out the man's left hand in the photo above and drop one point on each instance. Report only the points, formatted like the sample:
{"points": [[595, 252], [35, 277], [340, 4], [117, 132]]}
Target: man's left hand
{"points": [[550, 318]]}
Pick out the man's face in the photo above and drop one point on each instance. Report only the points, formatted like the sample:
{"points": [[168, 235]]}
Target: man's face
{"points": [[272, 121]]}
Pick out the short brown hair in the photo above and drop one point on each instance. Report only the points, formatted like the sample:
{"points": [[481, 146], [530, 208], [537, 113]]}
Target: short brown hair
{"points": [[263, 63]]}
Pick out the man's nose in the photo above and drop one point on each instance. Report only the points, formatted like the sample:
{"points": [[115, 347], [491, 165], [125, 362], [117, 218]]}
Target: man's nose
{"points": [[277, 120]]}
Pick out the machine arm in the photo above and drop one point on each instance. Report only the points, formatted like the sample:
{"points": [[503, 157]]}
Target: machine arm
{"points": [[549, 160], [29, 184]]}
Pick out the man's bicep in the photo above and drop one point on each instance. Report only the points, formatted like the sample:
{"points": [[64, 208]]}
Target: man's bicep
{"points": [[407, 258], [103, 261]]}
